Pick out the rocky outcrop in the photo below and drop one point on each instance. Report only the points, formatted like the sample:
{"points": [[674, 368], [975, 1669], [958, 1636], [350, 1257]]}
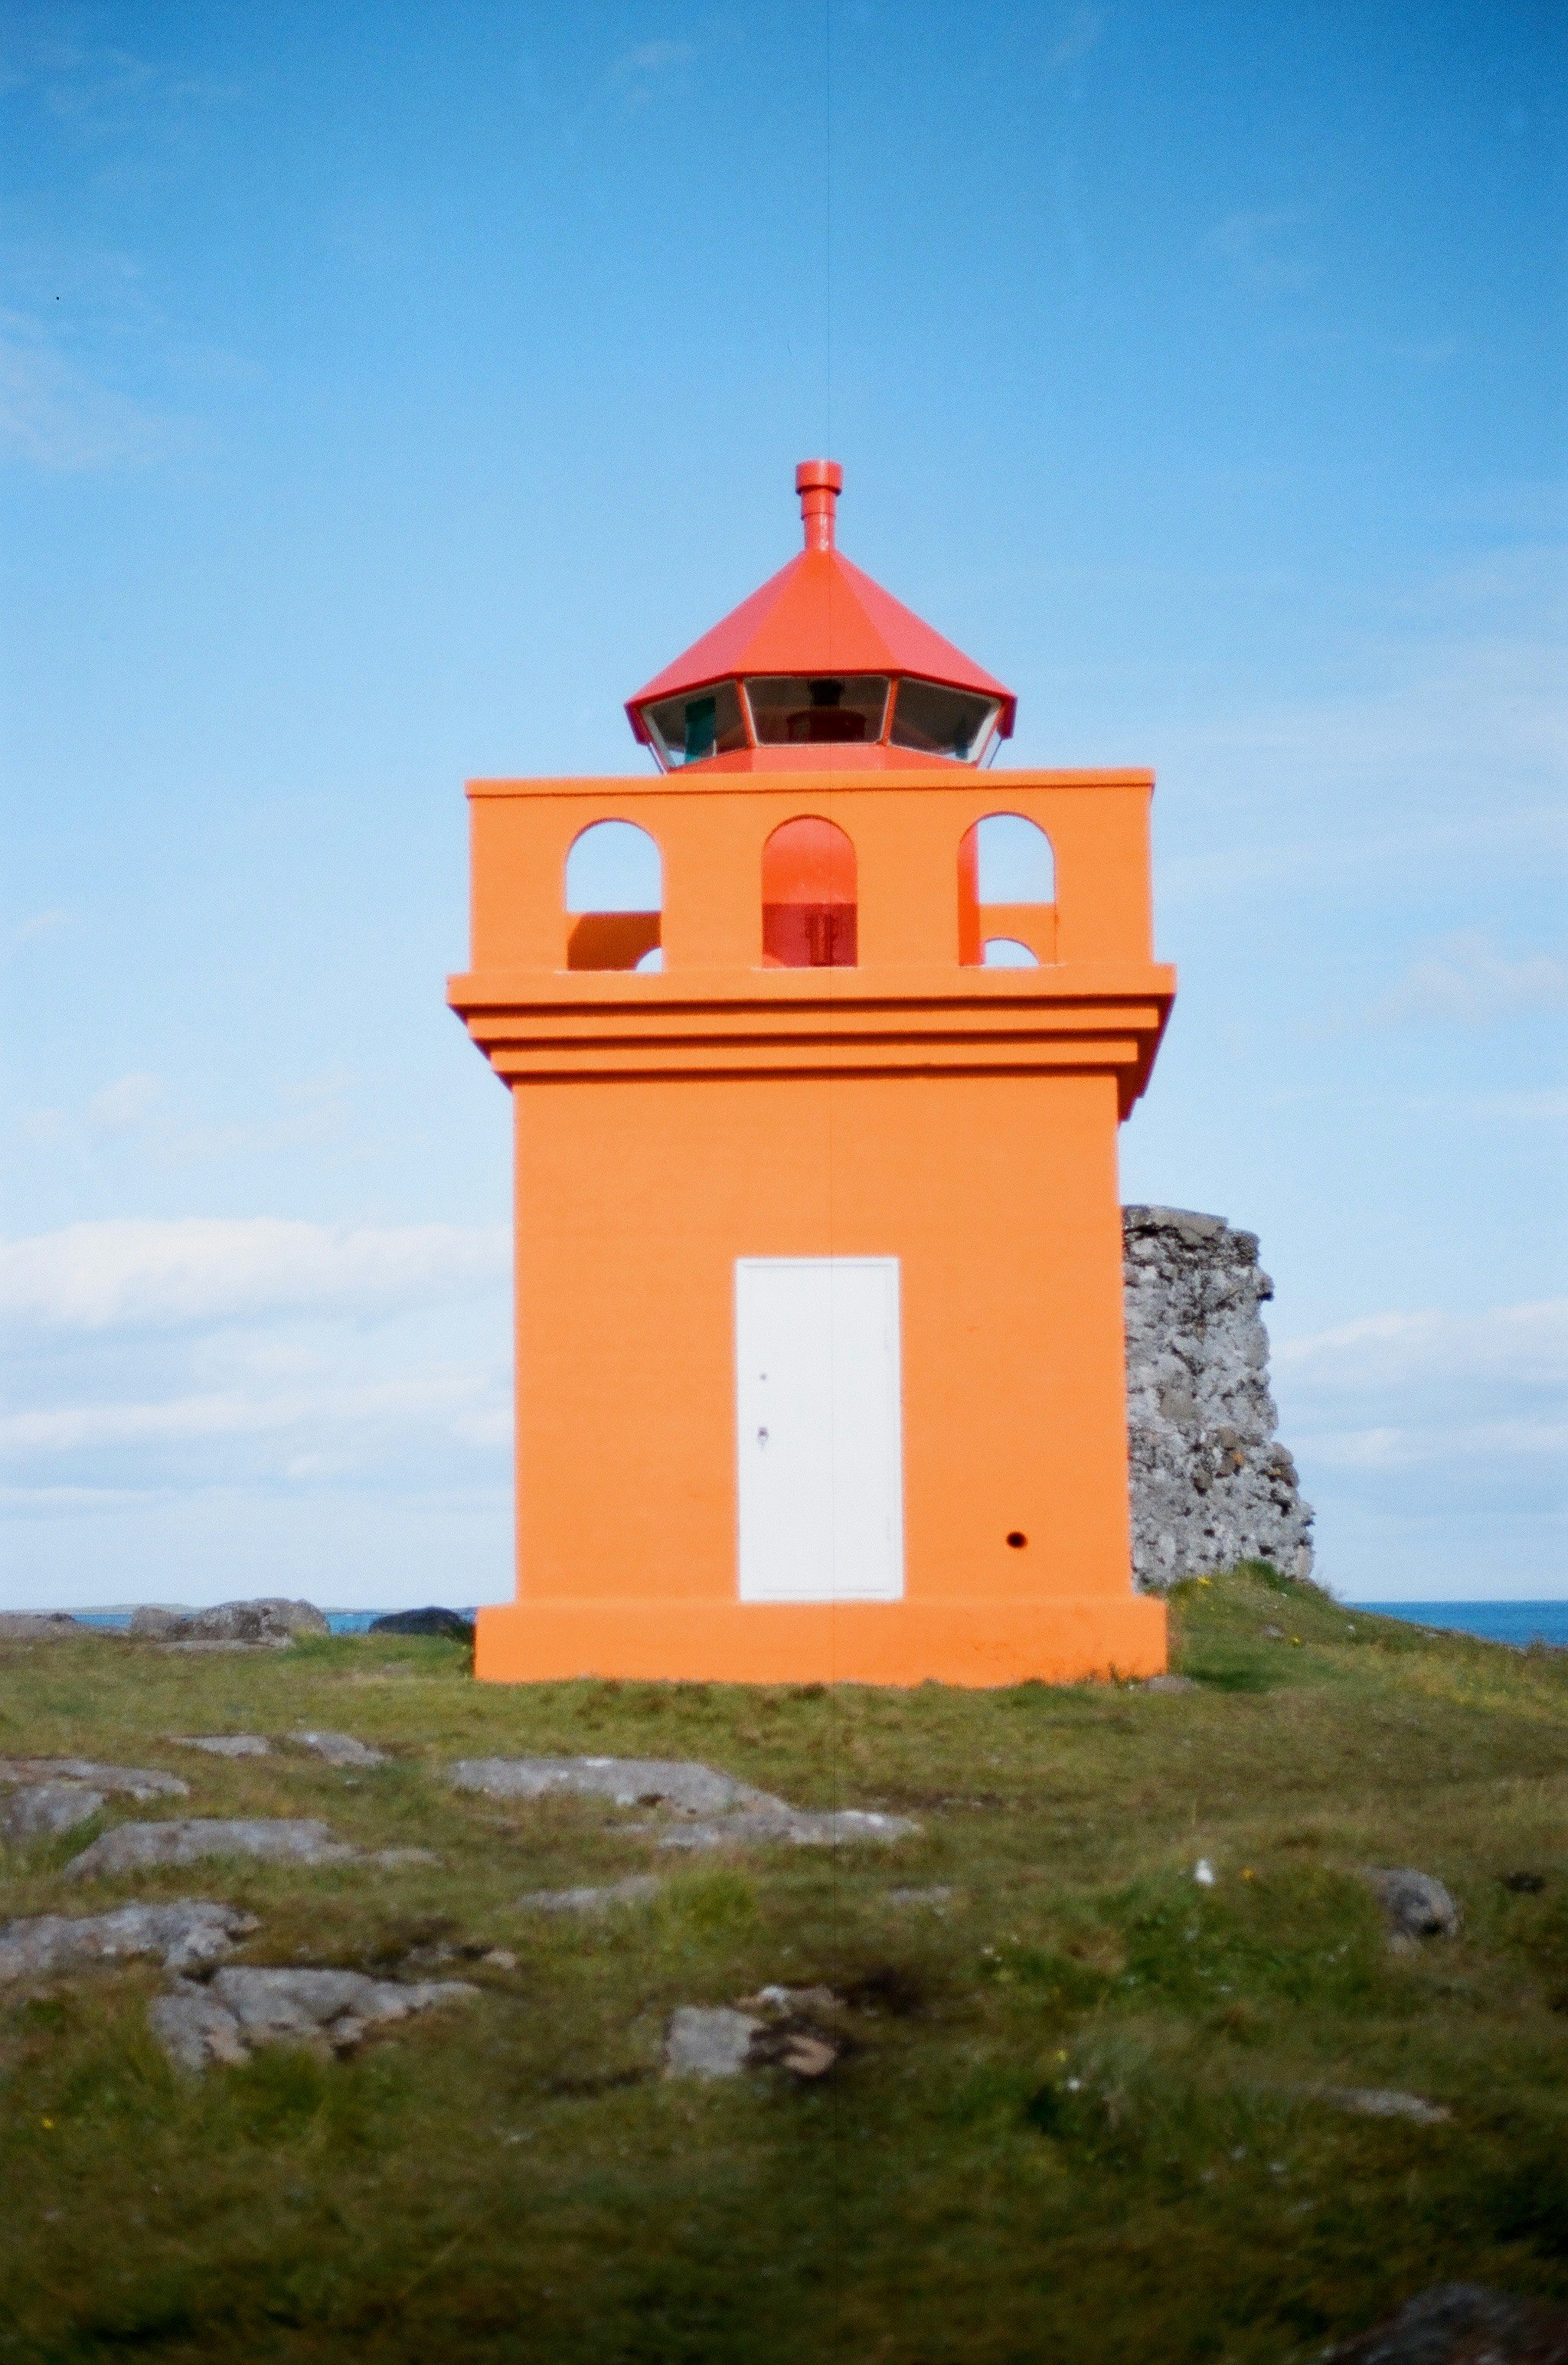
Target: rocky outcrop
{"points": [[187, 1933], [731, 1813], [326, 2011], [450, 1623], [1462, 2324], [272, 1620], [1211, 1484], [138, 1782], [45, 1810], [294, 1839], [39, 1626]]}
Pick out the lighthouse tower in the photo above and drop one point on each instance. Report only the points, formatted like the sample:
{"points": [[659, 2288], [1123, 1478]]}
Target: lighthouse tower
{"points": [[818, 1037]]}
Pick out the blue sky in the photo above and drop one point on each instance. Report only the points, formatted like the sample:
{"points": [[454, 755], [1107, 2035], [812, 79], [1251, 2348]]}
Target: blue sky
{"points": [[385, 391]]}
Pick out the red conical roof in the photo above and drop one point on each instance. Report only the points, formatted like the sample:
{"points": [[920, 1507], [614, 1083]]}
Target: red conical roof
{"points": [[819, 615]]}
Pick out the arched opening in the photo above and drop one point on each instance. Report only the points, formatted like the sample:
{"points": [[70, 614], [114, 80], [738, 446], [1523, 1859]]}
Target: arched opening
{"points": [[1007, 916], [809, 896], [614, 899]]}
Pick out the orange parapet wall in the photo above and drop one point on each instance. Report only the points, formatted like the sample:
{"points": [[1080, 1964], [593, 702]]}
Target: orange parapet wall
{"points": [[820, 1364]]}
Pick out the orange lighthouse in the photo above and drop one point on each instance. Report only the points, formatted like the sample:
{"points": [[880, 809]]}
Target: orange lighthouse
{"points": [[818, 1040]]}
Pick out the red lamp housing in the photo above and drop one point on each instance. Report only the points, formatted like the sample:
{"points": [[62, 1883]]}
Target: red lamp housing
{"points": [[821, 658]]}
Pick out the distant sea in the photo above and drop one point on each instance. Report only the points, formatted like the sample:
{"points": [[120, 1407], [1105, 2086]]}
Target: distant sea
{"points": [[1499, 1621], [341, 1622]]}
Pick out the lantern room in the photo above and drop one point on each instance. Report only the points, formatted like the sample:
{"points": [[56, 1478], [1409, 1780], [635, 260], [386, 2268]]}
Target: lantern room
{"points": [[821, 656], [818, 1037]]}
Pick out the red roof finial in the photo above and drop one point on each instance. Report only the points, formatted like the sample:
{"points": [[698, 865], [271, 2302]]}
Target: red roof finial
{"points": [[819, 484]]}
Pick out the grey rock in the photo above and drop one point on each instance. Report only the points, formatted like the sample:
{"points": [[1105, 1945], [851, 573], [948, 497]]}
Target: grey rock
{"points": [[225, 1744], [774, 1823], [637, 1888], [195, 2031], [1167, 1684], [936, 1898], [708, 2042], [1210, 1484], [47, 1810], [448, 1622], [317, 1998], [326, 2010], [272, 1620], [152, 1624], [736, 1814], [55, 1793], [294, 1840], [1384, 2102], [340, 1748], [1462, 2324], [186, 1933], [624, 1781], [135, 1781], [29, 1626], [1417, 1905]]}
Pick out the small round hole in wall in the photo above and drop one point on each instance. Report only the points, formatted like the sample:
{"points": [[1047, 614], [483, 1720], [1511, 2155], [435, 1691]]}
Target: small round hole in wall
{"points": [[1017, 1540]]}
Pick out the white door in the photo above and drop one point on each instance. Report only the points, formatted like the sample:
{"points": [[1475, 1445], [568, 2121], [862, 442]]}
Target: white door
{"points": [[819, 1416]]}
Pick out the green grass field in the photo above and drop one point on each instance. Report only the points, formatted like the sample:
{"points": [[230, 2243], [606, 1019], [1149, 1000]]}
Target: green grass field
{"points": [[1079, 2115]]}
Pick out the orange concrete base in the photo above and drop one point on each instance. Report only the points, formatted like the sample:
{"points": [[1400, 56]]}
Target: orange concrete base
{"points": [[968, 1642]]}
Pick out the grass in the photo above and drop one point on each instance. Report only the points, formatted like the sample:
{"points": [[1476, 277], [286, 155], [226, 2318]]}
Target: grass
{"points": [[1079, 2116]]}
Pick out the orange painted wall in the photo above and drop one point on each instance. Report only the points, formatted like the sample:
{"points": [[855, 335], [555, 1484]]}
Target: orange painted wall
{"points": [[962, 1120]]}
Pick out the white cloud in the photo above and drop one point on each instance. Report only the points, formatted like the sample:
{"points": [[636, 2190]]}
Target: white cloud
{"points": [[259, 1360], [201, 1270], [1432, 1413], [1080, 33], [54, 417], [1514, 1345], [655, 57], [450, 1401], [1465, 981], [1546, 1104], [1261, 250], [1394, 1449], [98, 90], [1447, 744], [169, 1134], [42, 923], [133, 1101]]}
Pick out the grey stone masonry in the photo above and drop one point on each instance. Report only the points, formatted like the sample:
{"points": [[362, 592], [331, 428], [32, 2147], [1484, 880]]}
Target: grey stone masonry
{"points": [[1211, 1484]]}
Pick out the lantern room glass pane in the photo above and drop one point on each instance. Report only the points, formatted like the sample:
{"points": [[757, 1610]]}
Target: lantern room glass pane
{"points": [[942, 722], [790, 710], [701, 722]]}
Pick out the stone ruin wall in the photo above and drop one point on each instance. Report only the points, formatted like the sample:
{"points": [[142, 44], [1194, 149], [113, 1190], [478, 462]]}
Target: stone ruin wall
{"points": [[1211, 1485]]}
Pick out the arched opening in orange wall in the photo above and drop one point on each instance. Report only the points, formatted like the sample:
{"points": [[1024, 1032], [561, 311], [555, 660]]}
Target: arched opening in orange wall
{"points": [[809, 896], [614, 899], [1006, 894]]}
